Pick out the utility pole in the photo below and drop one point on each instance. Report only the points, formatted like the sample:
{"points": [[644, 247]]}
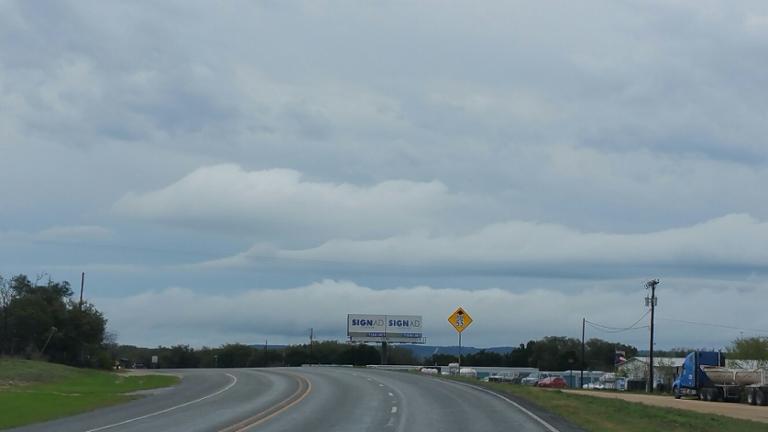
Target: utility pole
{"points": [[311, 337], [80, 309], [82, 285], [583, 327], [651, 301]]}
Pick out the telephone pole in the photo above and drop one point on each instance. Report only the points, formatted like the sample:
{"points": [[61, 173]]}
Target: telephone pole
{"points": [[311, 339], [651, 301], [82, 285], [583, 327]]}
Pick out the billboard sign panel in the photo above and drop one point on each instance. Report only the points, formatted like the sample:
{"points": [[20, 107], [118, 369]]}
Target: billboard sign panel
{"points": [[385, 328]]}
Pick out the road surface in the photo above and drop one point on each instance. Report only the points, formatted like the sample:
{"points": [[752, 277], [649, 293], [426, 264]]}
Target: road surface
{"points": [[316, 399]]}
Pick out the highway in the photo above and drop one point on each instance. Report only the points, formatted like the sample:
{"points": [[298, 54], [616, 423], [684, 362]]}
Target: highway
{"points": [[316, 399]]}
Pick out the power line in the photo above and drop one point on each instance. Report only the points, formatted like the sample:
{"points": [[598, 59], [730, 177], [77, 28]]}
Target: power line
{"points": [[620, 331], [714, 325], [609, 329]]}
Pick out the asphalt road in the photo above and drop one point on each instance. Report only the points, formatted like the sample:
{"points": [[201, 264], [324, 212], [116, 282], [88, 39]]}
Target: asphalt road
{"points": [[316, 399]]}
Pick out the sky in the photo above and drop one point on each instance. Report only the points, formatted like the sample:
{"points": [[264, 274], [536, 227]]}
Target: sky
{"points": [[247, 170]]}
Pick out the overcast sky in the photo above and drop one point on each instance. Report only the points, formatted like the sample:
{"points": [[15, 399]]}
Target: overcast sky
{"points": [[242, 171]]}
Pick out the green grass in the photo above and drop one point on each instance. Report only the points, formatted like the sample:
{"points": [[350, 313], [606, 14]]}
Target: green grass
{"points": [[612, 415], [33, 391]]}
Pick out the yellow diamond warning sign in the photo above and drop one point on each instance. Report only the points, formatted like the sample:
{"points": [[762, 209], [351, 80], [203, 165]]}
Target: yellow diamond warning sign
{"points": [[460, 319]]}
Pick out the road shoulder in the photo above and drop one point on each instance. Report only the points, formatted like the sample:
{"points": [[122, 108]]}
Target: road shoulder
{"points": [[558, 422], [728, 409]]}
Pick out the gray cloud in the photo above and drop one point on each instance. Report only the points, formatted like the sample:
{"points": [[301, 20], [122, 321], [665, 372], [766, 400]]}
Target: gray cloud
{"points": [[279, 204], [577, 141], [733, 243], [500, 316]]}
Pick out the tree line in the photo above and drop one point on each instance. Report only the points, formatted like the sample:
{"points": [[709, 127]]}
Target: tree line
{"points": [[241, 355], [549, 353], [552, 353], [41, 319]]}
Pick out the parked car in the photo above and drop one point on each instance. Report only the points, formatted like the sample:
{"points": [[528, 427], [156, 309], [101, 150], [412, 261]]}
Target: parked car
{"points": [[503, 377], [534, 378], [552, 382]]}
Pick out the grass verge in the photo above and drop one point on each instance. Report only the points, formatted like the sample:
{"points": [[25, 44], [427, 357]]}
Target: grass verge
{"points": [[611, 415], [32, 392]]}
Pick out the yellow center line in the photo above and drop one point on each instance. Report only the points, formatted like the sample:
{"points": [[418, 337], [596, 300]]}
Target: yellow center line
{"points": [[305, 387]]}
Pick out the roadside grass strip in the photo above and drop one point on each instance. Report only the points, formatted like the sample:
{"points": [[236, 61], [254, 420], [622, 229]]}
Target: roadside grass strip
{"points": [[612, 415], [32, 392]]}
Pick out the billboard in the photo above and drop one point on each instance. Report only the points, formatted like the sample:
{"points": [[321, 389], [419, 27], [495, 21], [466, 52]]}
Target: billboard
{"points": [[385, 328]]}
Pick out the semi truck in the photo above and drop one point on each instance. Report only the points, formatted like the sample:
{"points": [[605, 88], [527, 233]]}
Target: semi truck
{"points": [[704, 375]]}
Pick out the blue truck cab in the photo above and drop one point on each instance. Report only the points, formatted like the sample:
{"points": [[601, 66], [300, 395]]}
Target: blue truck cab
{"points": [[692, 379]]}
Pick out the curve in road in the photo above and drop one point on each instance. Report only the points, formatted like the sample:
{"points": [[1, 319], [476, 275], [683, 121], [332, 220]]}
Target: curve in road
{"points": [[314, 399]]}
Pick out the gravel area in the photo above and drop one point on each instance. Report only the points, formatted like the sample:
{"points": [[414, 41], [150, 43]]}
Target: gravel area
{"points": [[736, 410]]}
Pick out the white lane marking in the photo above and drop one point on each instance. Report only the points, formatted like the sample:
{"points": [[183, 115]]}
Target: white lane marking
{"points": [[218, 392], [518, 406], [394, 409], [390, 394]]}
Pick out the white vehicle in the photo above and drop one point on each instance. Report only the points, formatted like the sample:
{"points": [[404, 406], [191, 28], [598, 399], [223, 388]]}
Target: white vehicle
{"points": [[534, 378], [503, 377]]}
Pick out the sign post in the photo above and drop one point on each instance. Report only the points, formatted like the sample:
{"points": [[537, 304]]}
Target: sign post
{"points": [[460, 320]]}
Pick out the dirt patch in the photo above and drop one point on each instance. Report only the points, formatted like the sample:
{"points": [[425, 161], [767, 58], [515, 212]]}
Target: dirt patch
{"points": [[736, 410], [142, 372], [11, 384]]}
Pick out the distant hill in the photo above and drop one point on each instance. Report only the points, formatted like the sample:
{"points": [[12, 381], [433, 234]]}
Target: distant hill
{"points": [[424, 351]]}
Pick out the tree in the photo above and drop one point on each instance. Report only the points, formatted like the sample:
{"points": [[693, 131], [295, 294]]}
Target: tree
{"points": [[750, 348], [600, 353], [400, 356], [6, 296], [359, 355], [180, 356], [484, 358], [553, 352], [235, 355], [40, 318], [440, 359], [79, 336], [520, 356], [36, 312], [297, 355]]}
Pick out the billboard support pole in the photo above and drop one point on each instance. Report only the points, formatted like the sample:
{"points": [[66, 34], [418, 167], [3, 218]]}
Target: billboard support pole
{"points": [[459, 352], [384, 348]]}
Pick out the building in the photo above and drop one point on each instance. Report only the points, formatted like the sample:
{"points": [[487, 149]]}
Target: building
{"points": [[665, 369]]}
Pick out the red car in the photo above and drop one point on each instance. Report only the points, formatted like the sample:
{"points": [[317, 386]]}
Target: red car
{"points": [[552, 382]]}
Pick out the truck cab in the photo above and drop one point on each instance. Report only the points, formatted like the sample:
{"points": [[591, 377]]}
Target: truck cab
{"points": [[704, 375], [692, 379]]}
